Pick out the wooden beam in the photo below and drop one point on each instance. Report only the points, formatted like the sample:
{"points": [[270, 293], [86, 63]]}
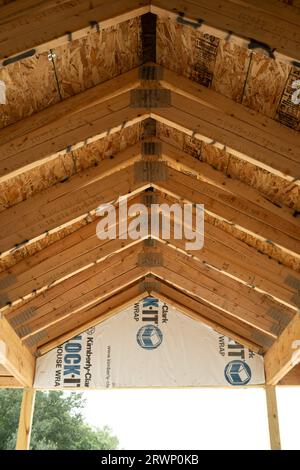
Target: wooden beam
{"points": [[231, 208], [14, 356], [57, 262], [232, 18], [284, 354], [25, 421], [229, 262], [186, 163], [211, 127], [274, 431], [220, 292], [115, 279], [18, 155], [40, 27], [255, 127], [43, 213], [82, 248], [60, 333], [216, 319], [9, 382], [292, 378], [74, 287]]}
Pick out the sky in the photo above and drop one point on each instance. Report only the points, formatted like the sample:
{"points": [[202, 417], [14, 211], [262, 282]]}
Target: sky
{"points": [[197, 418]]}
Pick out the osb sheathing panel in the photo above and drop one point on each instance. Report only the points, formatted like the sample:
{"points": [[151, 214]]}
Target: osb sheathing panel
{"points": [[99, 56], [31, 83], [247, 77], [186, 51], [231, 68], [64, 166], [30, 87], [203, 58], [266, 82], [276, 189]]}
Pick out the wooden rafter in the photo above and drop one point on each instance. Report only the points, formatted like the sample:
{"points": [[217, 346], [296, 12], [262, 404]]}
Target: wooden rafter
{"points": [[216, 319], [9, 382], [78, 293], [40, 27], [34, 217], [235, 302], [106, 108], [276, 147], [14, 356], [192, 307], [60, 260], [47, 139], [57, 335], [80, 194], [284, 355], [233, 21], [222, 292]]}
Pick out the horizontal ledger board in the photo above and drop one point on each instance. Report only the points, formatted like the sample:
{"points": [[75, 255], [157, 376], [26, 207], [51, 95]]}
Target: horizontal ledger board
{"points": [[150, 344]]}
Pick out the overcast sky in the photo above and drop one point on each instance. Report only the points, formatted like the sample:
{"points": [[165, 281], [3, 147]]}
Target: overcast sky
{"points": [[194, 418]]}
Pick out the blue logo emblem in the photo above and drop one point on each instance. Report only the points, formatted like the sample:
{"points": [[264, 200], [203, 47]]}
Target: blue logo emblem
{"points": [[237, 373], [149, 337]]}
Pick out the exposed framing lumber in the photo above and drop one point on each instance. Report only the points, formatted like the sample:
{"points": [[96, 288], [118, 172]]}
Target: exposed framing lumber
{"points": [[9, 382], [80, 194], [14, 356], [236, 117], [88, 130], [216, 319], [231, 19], [105, 109], [284, 354], [262, 275], [208, 126], [246, 216], [44, 216], [240, 19], [292, 378], [25, 421], [42, 28], [113, 273], [274, 431], [56, 305], [203, 313], [66, 257], [89, 318], [186, 163], [82, 248], [220, 292]]}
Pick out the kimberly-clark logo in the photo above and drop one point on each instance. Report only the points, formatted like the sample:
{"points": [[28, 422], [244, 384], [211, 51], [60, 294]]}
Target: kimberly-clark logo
{"points": [[181, 222]]}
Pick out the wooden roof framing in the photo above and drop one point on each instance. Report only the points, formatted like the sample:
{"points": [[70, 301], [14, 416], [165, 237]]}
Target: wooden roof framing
{"points": [[231, 144]]}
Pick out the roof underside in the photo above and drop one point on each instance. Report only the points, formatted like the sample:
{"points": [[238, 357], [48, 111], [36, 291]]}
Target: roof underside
{"points": [[74, 134]]}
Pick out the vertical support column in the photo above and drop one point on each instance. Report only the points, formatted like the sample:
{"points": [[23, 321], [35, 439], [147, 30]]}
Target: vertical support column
{"points": [[25, 421], [274, 431]]}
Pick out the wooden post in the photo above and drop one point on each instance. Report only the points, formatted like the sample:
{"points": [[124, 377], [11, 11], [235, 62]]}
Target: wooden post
{"points": [[273, 418], [25, 421]]}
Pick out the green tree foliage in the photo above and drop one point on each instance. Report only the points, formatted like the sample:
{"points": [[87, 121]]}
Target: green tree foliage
{"points": [[57, 423]]}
